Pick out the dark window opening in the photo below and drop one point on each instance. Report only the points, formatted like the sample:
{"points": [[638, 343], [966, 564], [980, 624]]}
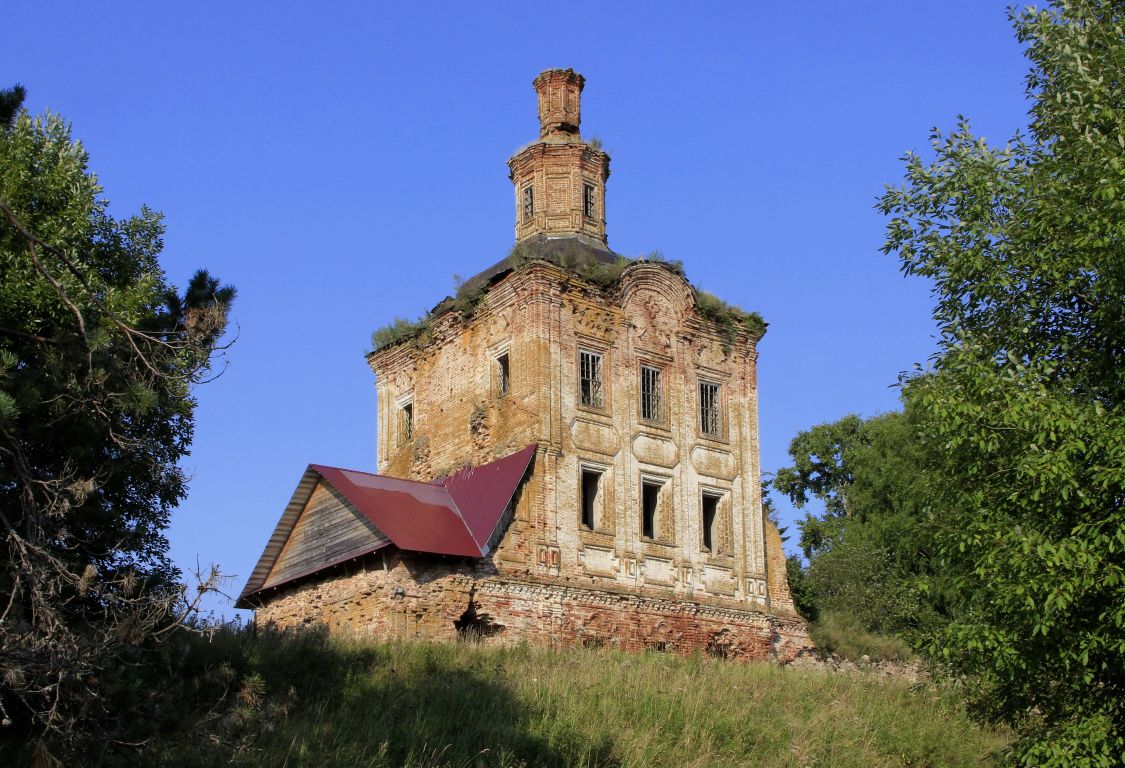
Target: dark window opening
{"points": [[588, 206], [503, 375], [528, 203], [710, 422], [710, 520], [475, 626], [590, 379], [652, 394], [591, 487], [407, 421], [650, 506]]}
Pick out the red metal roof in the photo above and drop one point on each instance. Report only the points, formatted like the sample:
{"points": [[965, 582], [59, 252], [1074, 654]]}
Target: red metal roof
{"points": [[482, 493], [416, 516], [456, 515]]}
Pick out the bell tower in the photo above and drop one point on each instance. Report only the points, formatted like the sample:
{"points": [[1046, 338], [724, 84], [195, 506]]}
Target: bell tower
{"points": [[560, 179]]}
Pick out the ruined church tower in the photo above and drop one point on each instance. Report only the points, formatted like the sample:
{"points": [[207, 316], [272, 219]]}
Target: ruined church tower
{"points": [[567, 452]]}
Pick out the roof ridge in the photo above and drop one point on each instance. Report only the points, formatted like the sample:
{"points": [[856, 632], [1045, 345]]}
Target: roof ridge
{"points": [[457, 507]]}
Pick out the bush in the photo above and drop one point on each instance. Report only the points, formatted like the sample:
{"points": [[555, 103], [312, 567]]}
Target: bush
{"points": [[728, 316], [400, 329], [843, 634]]}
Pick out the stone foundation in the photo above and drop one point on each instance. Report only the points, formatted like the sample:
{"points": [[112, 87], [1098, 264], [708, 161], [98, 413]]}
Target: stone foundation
{"points": [[398, 596]]}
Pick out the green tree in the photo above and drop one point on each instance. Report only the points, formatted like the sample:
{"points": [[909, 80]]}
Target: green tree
{"points": [[1024, 412], [98, 357], [870, 544], [11, 100]]}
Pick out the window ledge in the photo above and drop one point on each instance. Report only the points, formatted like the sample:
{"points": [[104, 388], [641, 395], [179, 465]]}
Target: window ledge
{"points": [[593, 411], [717, 439], [659, 426]]}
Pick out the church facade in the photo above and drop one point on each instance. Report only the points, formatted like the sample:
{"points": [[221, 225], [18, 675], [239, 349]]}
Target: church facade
{"points": [[567, 453]]}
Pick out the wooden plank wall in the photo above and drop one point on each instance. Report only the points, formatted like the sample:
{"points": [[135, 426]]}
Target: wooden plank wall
{"points": [[327, 529]]}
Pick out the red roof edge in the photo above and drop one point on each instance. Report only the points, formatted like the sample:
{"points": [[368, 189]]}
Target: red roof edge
{"points": [[457, 515]]}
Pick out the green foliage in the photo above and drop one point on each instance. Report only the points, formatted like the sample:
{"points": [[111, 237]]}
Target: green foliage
{"points": [[823, 467], [303, 699], [803, 597], [728, 316], [873, 576], [401, 329], [11, 99], [98, 358], [469, 296], [872, 542], [605, 276], [842, 633], [1025, 247]]}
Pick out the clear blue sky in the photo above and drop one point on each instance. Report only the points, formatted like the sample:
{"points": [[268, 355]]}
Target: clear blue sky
{"points": [[339, 164]]}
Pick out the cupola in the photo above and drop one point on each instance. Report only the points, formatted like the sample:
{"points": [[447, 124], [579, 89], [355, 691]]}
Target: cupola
{"points": [[560, 179]]}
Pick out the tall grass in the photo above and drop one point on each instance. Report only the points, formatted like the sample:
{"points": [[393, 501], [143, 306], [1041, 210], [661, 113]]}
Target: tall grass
{"points": [[320, 702]]}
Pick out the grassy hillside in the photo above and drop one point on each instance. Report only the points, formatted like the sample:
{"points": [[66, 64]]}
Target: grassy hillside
{"points": [[314, 702]]}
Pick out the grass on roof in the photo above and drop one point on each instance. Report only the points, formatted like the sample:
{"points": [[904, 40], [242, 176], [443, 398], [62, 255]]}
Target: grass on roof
{"points": [[470, 294]]}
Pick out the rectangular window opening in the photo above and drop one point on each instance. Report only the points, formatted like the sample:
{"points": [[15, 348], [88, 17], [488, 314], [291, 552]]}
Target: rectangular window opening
{"points": [[528, 203], [407, 421], [591, 498], [503, 375], [652, 394], [710, 421], [650, 508], [588, 207], [710, 521], [590, 379]]}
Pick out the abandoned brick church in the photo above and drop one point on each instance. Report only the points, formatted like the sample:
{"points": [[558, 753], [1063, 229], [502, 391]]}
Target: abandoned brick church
{"points": [[567, 453]]}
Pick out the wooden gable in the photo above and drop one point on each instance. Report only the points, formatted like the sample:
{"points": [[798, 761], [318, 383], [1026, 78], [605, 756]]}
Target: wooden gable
{"points": [[329, 530]]}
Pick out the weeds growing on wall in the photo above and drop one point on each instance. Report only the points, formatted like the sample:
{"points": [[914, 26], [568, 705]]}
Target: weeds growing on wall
{"points": [[728, 316], [469, 296], [400, 329]]}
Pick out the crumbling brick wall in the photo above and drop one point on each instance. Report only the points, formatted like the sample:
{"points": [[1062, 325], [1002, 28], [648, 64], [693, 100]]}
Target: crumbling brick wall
{"points": [[781, 600], [542, 317], [399, 596]]}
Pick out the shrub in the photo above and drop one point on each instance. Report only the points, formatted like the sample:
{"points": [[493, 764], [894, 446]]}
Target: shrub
{"points": [[843, 634], [398, 330], [728, 316]]}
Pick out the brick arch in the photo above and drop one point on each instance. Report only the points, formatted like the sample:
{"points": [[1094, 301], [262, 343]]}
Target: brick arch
{"points": [[656, 302], [646, 282]]}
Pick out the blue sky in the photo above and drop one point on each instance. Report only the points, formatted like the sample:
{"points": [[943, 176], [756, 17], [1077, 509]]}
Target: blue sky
{"points": [[340, 164]]}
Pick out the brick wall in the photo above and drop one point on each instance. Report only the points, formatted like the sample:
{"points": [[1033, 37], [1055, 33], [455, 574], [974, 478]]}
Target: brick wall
{"points": [[543, 317], [396, 596]]}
